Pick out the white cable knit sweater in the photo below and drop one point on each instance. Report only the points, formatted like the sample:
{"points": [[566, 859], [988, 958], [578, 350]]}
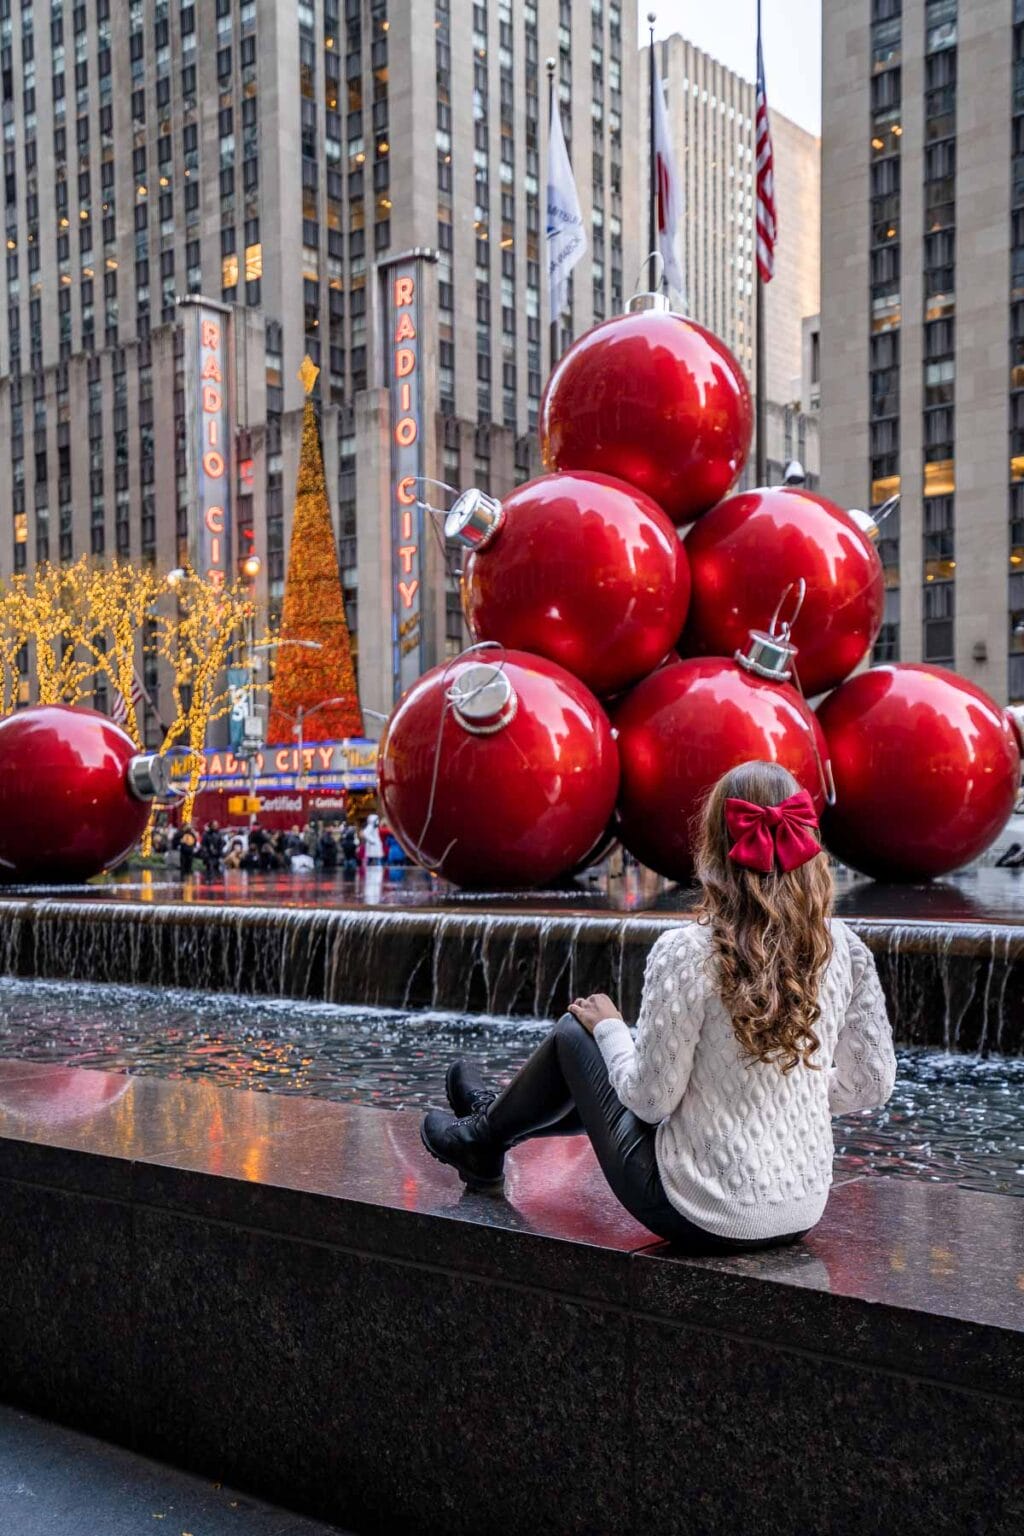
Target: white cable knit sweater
{"points": [[743, 1149]]}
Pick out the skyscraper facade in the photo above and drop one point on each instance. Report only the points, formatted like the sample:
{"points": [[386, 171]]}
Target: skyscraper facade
{"points": [[330, 177], [711, 117], [922, 361]]}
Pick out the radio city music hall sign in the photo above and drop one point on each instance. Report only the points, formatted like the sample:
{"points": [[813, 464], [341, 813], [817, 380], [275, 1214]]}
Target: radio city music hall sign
{"points": [[213, 448], [336, 760], [407, 467]]}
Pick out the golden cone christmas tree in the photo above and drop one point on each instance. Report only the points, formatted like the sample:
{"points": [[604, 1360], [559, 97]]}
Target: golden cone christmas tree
{"points": [[314, 610]]}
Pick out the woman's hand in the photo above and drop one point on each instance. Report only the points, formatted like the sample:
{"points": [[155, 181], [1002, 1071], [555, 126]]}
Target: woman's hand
{"points": [[591, 1011]]}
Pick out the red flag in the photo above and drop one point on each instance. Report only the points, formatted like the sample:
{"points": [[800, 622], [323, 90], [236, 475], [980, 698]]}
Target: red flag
{"points": [[766, 226], [669, 194], [118, 707]]}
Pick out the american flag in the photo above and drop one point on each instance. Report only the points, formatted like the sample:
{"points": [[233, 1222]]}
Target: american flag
{"points": [[118, 707], [766, 226]]}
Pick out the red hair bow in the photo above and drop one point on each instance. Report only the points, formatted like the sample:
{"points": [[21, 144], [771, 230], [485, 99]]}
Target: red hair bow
{"points": [[764, 834]]}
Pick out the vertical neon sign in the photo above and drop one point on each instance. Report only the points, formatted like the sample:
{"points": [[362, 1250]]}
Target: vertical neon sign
{"points": [[407, 465], [212, 451]]}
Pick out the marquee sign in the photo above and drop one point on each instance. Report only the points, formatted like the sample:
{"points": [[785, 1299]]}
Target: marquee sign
{"points": [[207, 359], [348, 764]]}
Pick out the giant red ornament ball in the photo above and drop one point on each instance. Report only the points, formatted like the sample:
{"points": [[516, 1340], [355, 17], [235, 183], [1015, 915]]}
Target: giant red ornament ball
{"points": [[498, 769], [653, 399], [681, 729], [749, 548], [74, 793], [926, 767], [578, 567]]}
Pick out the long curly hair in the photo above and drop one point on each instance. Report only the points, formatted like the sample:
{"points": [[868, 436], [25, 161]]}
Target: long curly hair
{"points": [[770, 932]]}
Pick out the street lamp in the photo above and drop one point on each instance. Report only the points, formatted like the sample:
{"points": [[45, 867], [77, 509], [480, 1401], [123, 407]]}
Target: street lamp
{"points": [[252, 662], [301, 715], [251, 566]]}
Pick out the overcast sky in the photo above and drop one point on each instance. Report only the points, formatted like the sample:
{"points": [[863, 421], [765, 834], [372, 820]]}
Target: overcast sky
{"points": [[727, 29]]}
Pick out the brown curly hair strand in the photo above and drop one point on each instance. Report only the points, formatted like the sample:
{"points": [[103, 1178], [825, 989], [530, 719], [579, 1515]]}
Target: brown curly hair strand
{"points": [[770, 932]]}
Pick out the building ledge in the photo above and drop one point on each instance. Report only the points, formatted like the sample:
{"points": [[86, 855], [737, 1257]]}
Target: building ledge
{"points": [[288, 1294]]}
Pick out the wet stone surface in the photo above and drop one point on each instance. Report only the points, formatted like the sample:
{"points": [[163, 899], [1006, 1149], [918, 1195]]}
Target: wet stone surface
{"points": [[344, 1174], [298, 1267], [977, 895], [952, 1119]]}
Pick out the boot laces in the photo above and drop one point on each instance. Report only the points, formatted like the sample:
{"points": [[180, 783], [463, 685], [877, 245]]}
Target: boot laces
{"points": [[476, 1125]]}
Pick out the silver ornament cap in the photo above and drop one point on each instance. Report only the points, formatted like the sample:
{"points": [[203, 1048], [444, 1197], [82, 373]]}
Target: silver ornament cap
{"points": [[642, 303], [148, 776], [864, 521], [870, 523], [482, 699], [769, 652], [766, 655], [474, 519]]}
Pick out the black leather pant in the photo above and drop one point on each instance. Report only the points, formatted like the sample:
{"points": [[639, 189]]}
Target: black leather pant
{"points": [[563, 1090]]}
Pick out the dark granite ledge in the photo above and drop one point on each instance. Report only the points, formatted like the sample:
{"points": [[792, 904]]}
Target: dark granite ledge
{"points": [[289, 1295], [908, 1275]]}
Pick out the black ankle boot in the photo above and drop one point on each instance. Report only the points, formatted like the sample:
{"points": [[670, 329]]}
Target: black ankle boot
{"points": [[467, 1146], [465, 1091]]}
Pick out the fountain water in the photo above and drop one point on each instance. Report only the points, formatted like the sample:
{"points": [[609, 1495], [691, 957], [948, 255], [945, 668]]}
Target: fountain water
{"points": [[950, 984]]}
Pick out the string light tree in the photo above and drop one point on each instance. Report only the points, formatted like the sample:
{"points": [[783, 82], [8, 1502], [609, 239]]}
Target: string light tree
{"points": [[314, 610], [58, 757], [197, 639], [43, 617], [119, 600], [10, 653]]}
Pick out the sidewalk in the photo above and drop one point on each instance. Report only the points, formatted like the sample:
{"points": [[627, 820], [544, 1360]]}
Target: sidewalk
{"points": [[54, 1482]]}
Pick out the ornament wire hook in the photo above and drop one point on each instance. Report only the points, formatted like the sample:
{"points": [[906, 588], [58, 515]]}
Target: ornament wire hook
{"points": [[888, 507], [826, 778], [780, 628], [433, 867], [428, 506], [436, 513], [645, 267]]}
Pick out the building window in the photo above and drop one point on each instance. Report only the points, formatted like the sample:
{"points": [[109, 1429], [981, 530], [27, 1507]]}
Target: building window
{"points": [[939, 613]]}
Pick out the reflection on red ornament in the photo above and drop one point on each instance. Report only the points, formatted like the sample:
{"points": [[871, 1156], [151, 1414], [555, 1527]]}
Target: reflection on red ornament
{"points": [[751, 545], [653, 399], [685, 726], [926, 771], [581, 568], [602, 849], [74, 793], [498, 770]]}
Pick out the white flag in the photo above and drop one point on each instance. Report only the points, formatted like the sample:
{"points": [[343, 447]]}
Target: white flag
{"points": [[565, 234], [668, 190]]}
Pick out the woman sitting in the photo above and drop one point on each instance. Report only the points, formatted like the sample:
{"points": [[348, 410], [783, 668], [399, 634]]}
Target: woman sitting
{"points": [[758, 1023]]}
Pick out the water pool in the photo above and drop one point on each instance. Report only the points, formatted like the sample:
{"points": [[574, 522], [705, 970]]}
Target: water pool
{"points": [[954, 1119]]}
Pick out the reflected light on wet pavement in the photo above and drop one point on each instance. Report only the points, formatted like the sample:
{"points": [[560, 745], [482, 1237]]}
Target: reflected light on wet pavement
{"points": [[977, 895], [953, 1118]]}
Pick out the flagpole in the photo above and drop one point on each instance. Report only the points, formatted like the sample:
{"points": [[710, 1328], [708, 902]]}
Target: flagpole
{"points": [[652, 219], [761, 447], [553, 329], [759, 383]]}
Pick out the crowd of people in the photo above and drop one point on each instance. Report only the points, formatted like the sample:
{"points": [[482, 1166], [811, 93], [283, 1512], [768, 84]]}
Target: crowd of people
{"points": [[330, 847]]}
